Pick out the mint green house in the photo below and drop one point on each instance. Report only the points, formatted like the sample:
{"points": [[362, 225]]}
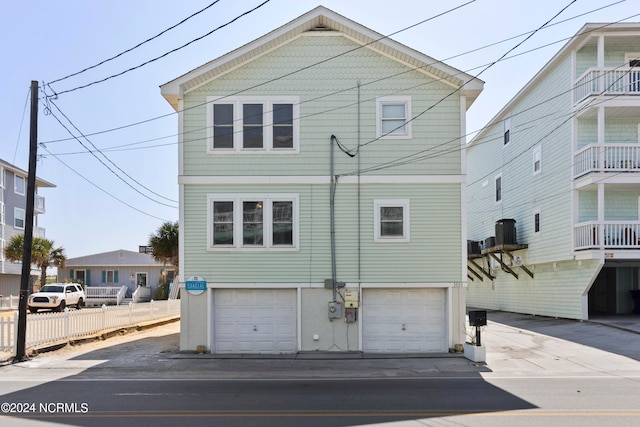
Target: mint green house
{"points": [[321, 177], [562, 160]]}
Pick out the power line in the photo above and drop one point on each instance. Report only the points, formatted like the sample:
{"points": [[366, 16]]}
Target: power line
{"points": [[273, 79], [24, 111], [134, 47], [161, 56], [374, 81], [104, 164], [102, 189]]}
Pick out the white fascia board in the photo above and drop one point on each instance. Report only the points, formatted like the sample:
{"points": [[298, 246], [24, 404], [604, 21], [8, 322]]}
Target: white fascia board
{"points": [[174, 89]]}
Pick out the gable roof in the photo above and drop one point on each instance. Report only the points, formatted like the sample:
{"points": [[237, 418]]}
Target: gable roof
{"points": [[16, 170], [120, 257], [321, 19]]}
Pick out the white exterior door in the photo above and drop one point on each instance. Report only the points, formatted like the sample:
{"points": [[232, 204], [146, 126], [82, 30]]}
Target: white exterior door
{"points": [[255, 321], [404, 320]]}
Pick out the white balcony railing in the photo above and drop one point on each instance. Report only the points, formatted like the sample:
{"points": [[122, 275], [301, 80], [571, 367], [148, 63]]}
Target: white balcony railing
{"points": [[38, 205], [607, 81], [39, 232], [607, 235], [607, 158]]}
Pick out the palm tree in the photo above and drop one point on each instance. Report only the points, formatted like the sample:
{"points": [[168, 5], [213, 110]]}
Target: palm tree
{"points": [[43, 254], [164, 249]]}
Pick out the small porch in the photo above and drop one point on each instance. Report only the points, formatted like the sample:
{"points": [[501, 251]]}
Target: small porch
{"points": [[607, 158], [607, 235]]}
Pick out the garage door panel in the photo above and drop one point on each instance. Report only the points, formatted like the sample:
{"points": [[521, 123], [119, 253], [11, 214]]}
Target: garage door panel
{"points": [[255, 321], [404, 320]]}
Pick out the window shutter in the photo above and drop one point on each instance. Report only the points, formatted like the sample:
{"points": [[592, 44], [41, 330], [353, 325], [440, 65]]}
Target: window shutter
{"points": [[87, 277], [104, 276], [71, 274], [115, 276]]}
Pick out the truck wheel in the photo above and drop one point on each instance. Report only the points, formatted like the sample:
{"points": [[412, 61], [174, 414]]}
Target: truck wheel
{"points": [[80, 304], [61, 306]]}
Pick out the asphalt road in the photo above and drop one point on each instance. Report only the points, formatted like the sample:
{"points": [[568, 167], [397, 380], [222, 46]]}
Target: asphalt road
{"points": [[533, 376]]}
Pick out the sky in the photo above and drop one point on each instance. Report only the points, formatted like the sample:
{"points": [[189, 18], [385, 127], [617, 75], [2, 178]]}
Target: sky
{"points": [[118, 196]]}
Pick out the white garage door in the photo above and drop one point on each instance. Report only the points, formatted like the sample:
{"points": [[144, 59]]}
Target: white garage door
{"points": [[255, 321], [404, 320]]}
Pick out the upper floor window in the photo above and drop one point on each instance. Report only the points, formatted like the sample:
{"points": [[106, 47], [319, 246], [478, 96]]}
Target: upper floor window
{"points": [[250, 125], [507, 130], [393, 117], [18, 184], [18, 218], [498, 188], [1, 177], [262, 221], [537, 160], [536, 221], [391, 220]]}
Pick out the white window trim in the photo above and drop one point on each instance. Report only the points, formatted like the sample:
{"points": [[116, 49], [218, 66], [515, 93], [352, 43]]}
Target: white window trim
{"points": [[267, 221], [267, 103], [393, 100], [537, 152], [537, 212], [146, 274], [106, 276], [2, 216], [15, 216], [15, 185], [406, 215], [506, 126], [1, 177], [495, 182]]}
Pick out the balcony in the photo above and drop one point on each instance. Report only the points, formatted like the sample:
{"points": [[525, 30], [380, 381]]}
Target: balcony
{"points": [[607, 235], [614, 158], [607, 81], [38, 205], [39, 232]]}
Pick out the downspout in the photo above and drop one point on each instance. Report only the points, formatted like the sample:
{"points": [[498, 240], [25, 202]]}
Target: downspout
{"points": [[359, 216], [332, 193]]}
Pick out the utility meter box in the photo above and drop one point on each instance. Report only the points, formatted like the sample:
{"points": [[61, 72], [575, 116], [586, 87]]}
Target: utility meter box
{"points": [[351, 298], [335, 310]]}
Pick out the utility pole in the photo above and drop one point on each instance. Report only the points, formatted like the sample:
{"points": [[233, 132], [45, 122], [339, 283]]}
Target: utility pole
{"points": [[28, 228]]}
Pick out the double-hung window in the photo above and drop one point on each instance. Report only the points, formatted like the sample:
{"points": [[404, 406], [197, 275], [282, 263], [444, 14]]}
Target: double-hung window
{"points": [[19, 184], [391, 220], [498, 188], [393, 117], [253, 221], [537, 160], [506, 128], [18, 218], [253, 125]]}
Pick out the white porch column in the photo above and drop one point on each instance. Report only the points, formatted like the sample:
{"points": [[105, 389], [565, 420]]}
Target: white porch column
{"points": [[601, 164], [601, 215]]}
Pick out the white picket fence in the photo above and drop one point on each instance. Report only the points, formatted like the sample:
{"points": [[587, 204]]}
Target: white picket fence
{"points": [[52, 328], [11, 302]]}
